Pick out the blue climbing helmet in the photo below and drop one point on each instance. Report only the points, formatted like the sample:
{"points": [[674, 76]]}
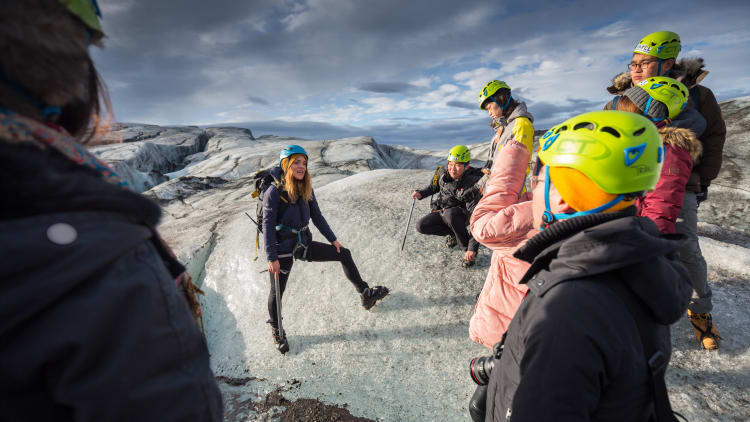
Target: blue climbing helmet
{"points": [[290, 150]]}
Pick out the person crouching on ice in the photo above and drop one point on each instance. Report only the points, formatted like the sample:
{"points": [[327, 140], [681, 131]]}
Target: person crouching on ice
{"points": [[458, 193], [591, 339], [288, 207]]}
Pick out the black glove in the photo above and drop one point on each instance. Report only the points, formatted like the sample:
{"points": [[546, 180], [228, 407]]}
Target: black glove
{"points": [[702, 195]]}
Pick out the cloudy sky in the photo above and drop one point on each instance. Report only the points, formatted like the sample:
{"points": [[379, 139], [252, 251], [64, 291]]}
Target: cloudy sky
{"points": [[402, 71]]}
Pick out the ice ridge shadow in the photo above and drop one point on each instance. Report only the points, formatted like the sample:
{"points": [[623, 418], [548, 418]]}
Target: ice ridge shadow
{"points": [[449, 330], [401, 301]]}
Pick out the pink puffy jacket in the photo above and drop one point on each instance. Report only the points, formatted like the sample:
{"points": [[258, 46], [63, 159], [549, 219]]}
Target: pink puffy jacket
{"points": [[502, 221]]}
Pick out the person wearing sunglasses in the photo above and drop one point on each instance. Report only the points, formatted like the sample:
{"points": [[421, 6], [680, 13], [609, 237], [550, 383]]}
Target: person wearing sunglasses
{"points": [[655, 55], [94, 326]]}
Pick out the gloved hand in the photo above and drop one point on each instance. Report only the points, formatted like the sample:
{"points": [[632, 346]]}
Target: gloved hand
{"points": [[702, 195]]}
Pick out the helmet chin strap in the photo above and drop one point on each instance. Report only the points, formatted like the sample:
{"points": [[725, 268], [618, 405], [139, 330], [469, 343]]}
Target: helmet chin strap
{"points": [[502, 107], [548, 217]]}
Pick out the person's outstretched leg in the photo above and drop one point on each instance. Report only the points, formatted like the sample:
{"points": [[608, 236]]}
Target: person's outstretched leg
{"points": [[322, 252]]}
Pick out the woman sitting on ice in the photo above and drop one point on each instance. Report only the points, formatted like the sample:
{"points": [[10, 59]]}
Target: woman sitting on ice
{"points": [[288, 207]]}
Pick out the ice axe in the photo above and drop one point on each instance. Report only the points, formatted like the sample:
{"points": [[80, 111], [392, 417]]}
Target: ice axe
{"points": [[411, 211]]}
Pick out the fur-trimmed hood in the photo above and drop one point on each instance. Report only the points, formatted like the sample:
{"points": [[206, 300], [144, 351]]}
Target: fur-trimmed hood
{"points": [[689, 71], [682, 138]]}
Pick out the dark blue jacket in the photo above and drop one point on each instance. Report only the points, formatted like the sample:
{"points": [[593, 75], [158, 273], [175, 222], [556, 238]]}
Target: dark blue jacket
{"points": [[93, 329], [296, 215]]}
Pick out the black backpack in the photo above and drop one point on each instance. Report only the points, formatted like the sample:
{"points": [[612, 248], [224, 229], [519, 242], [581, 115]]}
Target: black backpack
{"points": [[263, 179]]}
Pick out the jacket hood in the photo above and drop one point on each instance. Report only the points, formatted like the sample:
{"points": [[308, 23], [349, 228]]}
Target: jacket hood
{"points": [[521, 111], [682, 138], [689, 71], [616, 245]]}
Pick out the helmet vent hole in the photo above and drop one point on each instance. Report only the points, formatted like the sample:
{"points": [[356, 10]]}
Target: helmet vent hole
{"points": [[639, 132], [612, 131], [584, 125], [562, 128]]}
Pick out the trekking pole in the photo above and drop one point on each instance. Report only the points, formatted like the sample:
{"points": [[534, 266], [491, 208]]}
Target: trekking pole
{"points": [[413, 201], [278, 304], [251, 218]]}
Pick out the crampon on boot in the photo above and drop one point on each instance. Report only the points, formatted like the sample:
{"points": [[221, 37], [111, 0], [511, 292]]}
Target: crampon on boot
{"points": [[450, 241], [371, 295], [705, 331], [282, 345]]}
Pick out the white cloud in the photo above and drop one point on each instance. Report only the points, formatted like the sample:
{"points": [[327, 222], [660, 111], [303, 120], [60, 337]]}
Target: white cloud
{"points": [[616, 29], [425, 81]]}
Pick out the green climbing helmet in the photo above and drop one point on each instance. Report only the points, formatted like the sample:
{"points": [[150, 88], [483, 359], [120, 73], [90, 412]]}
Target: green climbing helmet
{"points": [[620, 152], [661, 44], [489, 90], [459, 154], [88, 12], [669, 91]]}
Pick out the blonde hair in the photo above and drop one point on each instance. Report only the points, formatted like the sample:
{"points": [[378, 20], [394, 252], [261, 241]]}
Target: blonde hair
{"points": [[295, 188]]}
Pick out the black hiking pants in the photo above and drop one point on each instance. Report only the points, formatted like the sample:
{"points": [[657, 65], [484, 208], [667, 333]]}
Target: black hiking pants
{"points": [[448, 221], [316, 252]]}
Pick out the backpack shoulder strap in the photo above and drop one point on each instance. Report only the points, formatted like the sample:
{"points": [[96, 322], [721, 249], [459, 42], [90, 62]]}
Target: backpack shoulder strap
{"points": [[657, 361], [436, 176]]}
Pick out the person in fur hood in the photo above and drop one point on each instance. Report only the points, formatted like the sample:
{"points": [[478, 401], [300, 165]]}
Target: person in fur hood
{"points": [[656, 55], [663, 100]]}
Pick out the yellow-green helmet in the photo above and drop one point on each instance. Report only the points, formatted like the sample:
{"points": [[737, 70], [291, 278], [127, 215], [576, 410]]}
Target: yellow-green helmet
{"points": [[489, 90], [668, 91], [459, 154], [620, 152], [88, 12], [661, 44]]}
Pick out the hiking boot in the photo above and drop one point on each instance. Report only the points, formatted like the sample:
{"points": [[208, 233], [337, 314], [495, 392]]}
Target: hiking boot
{"points": [[450, 241], [466, 263], [282, 345], [705, 331], [371, 295]]}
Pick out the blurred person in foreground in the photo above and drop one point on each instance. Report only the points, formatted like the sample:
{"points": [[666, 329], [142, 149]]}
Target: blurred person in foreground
{"points": [[94, 325], [590, 341]]}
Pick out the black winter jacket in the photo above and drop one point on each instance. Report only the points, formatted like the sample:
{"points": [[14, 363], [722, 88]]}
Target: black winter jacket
{"points": [[451, 193], [92, 328], [573, 351]]}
